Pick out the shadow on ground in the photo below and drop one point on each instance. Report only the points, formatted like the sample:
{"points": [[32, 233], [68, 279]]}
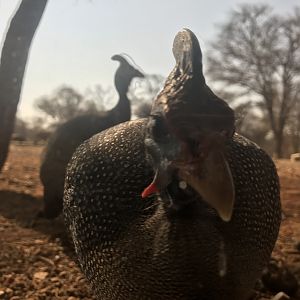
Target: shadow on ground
{"points": [[23, 209]]}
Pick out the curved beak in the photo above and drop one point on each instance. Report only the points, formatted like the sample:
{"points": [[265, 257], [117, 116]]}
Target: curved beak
{"points": [[212, 181]]}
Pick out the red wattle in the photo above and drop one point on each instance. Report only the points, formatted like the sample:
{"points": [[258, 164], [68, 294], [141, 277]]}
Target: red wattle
{"points": [[149, 190]]}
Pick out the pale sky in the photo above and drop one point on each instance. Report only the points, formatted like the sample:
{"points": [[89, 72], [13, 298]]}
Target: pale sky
{"points": [[76, 38]]}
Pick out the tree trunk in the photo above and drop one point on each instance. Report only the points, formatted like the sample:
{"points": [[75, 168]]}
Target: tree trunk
{"points": [[296, 138], [296, 143], [12, 66], [296, 131], [279, 144]]}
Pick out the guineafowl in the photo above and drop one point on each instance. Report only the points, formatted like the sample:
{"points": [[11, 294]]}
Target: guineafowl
{"points": [[176, 206], [71, 134]]}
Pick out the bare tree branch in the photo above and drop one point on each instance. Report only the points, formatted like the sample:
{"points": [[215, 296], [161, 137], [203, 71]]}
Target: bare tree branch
{"points": [[259, 52]]}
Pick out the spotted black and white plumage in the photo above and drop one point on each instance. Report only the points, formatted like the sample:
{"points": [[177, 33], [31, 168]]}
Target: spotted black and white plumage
{"points": [[133, 248], [173, 245]]}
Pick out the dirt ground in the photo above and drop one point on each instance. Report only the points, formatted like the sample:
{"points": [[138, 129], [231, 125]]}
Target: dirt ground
{"points": [[36, 260]]}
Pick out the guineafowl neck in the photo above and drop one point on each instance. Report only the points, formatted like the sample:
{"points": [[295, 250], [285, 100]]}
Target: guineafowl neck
{"points": [[122, 111]]}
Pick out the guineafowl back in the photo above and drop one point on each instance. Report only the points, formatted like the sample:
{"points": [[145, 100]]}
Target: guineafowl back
{"points": [[134, 248]]}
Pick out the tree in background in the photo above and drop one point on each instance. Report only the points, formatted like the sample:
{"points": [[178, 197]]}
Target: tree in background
{"points": [[143, 94], [20, 132], [38, 131], [62, 105], [12, 66], [294, 128], [66, 103], [250, 121], [143, 110], [258, 53], [98, 98]]}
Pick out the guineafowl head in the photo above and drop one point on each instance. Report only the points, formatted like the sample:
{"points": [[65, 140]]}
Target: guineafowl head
{"points": [[187, 134], [126, 72]]}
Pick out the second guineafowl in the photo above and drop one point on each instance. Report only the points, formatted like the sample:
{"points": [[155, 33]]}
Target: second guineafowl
{"points": [[71, 134], [210, 212]]}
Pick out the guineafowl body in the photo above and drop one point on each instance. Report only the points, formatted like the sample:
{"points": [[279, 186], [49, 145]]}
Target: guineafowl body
{"points": [[71, 134], [173, 244]]}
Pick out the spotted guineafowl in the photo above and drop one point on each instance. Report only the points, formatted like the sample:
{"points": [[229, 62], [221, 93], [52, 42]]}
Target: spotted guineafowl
{"points": [[176, 206], [71, 134]]}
